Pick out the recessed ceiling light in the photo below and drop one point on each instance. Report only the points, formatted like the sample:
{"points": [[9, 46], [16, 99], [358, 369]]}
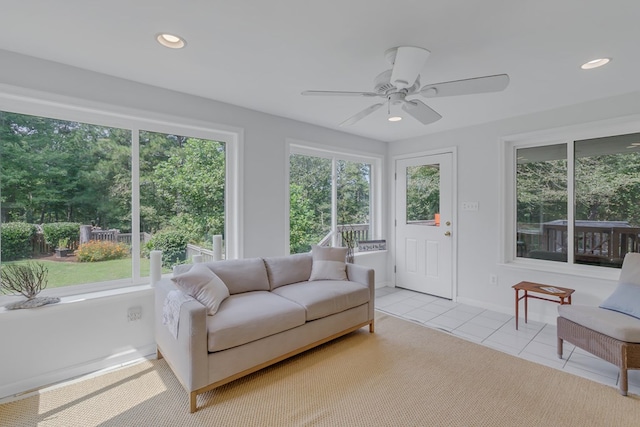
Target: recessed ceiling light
{"points": [[394, 118], [171, 40], [595, 63]]}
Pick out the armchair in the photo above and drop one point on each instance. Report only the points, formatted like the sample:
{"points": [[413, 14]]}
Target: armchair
{"points": [[612, 330]]}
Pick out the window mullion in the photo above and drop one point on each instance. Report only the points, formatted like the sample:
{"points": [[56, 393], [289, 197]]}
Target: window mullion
{"points": [[135, 204], [334, 202], [571, 202]]}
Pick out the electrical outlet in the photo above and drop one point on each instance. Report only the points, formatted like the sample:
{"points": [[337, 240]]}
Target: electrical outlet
{"points": [[134, 313], [493, 279]]}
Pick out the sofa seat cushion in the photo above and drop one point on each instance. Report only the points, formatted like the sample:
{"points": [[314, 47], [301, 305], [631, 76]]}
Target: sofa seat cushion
{"points": [[323, 298], [249, 316], [607, 322]]}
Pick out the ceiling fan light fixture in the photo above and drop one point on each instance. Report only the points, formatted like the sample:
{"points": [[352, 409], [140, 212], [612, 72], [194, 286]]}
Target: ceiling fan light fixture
{"points": [[595, 63], [170, 40], [394, 118]]}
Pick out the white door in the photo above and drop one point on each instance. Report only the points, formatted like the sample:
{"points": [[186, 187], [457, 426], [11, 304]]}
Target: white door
{"points": [[424, 206]]}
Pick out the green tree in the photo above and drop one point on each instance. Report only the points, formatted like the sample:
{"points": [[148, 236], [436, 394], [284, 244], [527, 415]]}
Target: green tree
{"points": [[190, 185]]}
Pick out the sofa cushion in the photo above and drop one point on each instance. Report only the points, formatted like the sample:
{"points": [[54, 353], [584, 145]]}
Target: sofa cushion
{"points": [[204, 285], [284, 270], [325, 297], [611, 323], [630, 272], [625, 299], [240, 275], [328, 263], [249, 316]]}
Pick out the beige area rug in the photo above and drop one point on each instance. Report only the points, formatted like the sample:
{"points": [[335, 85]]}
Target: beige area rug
{"points": [[403, 375]]}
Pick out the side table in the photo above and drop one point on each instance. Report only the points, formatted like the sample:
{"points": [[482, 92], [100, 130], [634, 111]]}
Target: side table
{"points": [[563, 295]]}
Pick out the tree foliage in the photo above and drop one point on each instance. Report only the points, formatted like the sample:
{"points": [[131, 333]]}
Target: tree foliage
{"points": [[310, 194], [607, 188], [55, 171]]}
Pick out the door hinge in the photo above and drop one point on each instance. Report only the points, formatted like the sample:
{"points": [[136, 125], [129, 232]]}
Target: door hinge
{"points": [[394, 268], [395, 176], [395, 222]]}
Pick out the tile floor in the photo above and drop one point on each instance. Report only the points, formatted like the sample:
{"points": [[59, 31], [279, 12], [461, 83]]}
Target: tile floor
{"points": [[532, 341]]}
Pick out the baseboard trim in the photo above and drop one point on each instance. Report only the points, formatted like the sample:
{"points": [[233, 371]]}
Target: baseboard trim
{"points": [[19, 389], [383, 285]]}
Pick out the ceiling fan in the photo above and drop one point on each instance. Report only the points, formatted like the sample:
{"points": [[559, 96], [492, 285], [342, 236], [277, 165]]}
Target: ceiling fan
{"points": [[403, 80]]}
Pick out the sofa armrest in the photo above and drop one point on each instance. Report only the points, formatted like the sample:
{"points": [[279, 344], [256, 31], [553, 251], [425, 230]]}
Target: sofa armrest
{"points": [[365, 276], [187, 355]]}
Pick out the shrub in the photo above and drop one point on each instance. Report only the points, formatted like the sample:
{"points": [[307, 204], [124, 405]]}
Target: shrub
{"points": [[56, 231], [101, 250], [16, 240], [173, 245]]}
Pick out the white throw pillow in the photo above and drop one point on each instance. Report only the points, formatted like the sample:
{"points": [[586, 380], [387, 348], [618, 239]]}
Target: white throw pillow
{"points": [[328, 263], [204, 285]]}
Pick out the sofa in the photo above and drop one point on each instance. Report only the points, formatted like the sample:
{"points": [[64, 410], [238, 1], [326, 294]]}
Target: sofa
{"points": [[275, 308]]}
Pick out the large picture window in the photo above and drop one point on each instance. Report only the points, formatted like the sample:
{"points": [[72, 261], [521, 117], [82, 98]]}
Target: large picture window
{"points": [[89, 201], [330, 200], [591, 217]]}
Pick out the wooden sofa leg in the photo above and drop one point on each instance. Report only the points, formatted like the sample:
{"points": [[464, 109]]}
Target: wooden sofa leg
{"points": [[372, 329], [560, 340], [623, 382], [193, 402]]}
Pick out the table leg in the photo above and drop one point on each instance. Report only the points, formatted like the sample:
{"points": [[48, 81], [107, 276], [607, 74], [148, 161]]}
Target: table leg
{"points": [[526, 306], [517, 301]]}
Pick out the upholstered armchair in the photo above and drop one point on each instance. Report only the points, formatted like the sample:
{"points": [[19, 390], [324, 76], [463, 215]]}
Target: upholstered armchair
{"points": [[612, 330]]}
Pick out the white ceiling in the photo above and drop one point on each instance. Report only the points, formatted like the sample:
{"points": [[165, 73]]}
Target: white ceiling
{"points": [[262, 54]]}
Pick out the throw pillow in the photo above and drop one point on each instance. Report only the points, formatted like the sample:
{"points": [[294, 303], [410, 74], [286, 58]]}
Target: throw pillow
{"points": [[625, 299], [203, 285], [328, 263]]}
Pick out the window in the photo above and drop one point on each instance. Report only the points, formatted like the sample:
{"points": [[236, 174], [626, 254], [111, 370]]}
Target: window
{"points": [[423, 195], [110, 194], [57, 176], [579, 202], [330, 199], [182, 192]]}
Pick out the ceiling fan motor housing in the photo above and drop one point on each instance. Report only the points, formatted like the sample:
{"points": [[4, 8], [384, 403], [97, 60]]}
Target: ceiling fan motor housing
{"points": [[383, 86]]}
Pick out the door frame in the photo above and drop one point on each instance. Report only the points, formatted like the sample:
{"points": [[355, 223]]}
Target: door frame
{"points": [[454, 212]]}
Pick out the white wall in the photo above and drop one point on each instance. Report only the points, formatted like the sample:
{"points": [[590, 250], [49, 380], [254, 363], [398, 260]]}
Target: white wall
{"points": [[480, 179], [52, 343]]}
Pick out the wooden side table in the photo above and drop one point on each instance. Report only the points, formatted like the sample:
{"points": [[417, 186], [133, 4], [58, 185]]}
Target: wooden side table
{"points": [[563, 295]]}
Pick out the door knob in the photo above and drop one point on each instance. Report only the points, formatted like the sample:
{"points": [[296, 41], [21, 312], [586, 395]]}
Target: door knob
{"points": [[447, 233]]}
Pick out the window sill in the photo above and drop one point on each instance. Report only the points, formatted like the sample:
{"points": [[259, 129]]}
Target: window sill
{"points": [[365, 253], [604, 273], [79, 297]]}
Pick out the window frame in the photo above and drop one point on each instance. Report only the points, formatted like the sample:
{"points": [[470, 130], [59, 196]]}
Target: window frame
{"points": [[35, 103], [327, 152], [508, 212]]}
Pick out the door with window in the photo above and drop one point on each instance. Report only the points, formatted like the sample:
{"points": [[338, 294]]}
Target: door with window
{"points": [[424, 207]]}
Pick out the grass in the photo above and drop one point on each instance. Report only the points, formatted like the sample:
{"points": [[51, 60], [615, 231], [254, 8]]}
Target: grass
{"points": [[76, 273]]}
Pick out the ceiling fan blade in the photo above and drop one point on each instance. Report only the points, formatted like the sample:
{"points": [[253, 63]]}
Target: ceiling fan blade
{"points": [[407, 64], [337, 93], [421, 111], [361, 115], [466, 87]]}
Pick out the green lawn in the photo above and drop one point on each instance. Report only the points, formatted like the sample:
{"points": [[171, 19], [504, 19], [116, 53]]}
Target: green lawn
{"points": [[76, 273]]}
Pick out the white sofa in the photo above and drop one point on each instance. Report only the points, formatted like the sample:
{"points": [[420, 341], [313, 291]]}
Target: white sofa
{"points": [[273, 312]]}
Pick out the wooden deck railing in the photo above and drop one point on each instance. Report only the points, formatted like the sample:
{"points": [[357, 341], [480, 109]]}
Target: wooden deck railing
{"points": [[353, 232], [593, 244]]}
